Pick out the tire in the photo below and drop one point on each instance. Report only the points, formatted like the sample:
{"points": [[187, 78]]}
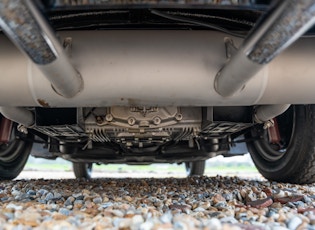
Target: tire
{"points": [[82, 170], [13, 156], [195, 168], [293, 160]]}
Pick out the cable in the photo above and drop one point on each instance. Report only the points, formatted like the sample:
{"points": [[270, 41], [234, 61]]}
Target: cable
{"points": [[196, 22], [214, 17], [209, 25]]}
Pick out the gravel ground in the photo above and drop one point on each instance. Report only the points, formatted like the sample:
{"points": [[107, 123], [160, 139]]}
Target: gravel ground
{"points": [[170, 203], [57, 174]]}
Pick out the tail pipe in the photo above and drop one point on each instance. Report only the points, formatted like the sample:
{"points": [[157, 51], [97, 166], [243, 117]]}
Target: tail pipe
{"points": [[282, 26], [265, 113], [28, 29], [19, 115]]}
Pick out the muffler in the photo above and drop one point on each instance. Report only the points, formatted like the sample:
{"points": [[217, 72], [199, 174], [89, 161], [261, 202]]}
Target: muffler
{"points": [[30, 32]]}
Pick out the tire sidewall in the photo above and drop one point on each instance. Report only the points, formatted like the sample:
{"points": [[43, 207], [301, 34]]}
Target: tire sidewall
{"points": [[10, 170], [295, 156]]}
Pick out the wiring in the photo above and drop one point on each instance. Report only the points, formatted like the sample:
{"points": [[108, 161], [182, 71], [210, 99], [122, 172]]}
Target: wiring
{"points": [[86, 14], [214, 17], [183, 18], [196, 22]]}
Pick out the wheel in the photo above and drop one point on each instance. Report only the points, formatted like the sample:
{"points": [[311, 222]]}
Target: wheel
{"points": [[13, 154], [286, 152], [195, 168], [82, 170]]}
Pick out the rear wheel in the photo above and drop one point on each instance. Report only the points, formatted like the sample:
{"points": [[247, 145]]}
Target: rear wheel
{"points": [[13, 153], [195, 168], [286, 152], [82, 170]]}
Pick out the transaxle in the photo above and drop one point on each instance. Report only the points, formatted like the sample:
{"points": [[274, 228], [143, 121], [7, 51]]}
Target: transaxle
{"points": [[141, 127]]}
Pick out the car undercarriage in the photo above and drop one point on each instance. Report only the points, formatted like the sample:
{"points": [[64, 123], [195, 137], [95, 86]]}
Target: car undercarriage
{"points": [[143, 82]]}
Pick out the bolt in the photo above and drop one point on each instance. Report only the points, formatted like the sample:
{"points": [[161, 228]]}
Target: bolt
{"points": [[67, 45], [269, 124], [99, 119], [22, 129], [179, 117], [131, 121], [109, 117], [156, 120]]}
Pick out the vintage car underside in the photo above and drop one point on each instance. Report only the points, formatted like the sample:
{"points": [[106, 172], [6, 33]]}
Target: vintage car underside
{"points": [[142, 82]]}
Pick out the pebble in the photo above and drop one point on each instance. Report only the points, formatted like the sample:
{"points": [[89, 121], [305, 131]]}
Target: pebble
{"points": [[117, 213], [64, 211], [214, 224], [229, 219], [69, 201], [14, 207], [287, 199], [307, 199], [218, 198], [263, 203], [49, 196], [97, 200], [294, 223], [199, 209], [42, 192], [225, 203]]}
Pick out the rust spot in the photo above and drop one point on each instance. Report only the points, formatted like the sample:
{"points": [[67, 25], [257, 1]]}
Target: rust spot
{"points": [[43, 103]]}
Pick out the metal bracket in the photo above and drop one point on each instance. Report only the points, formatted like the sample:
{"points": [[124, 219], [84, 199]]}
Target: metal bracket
{"points": [[67, 45], [230, 48]]}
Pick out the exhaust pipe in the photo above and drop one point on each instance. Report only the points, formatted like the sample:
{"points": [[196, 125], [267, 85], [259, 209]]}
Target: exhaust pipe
{"points": [[19, 115], [27, 28], [285, 24], [265, 113]]}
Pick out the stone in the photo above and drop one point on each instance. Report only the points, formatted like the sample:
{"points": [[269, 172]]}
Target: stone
{"points": [[170, 203], [14, 207], [228, 196], [117, 213], [308, 210], [287, 199], [137, 220], [181, 207], [49, 196], [199, 209], [64, 211], [229, 219], [31, 192], [268, 191], [214, 224], [97, 200], [128, 198], [260, 203], [218, 198], [29, 218], [294, 223], [250, 196], [69, 201], [57, 196]]}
